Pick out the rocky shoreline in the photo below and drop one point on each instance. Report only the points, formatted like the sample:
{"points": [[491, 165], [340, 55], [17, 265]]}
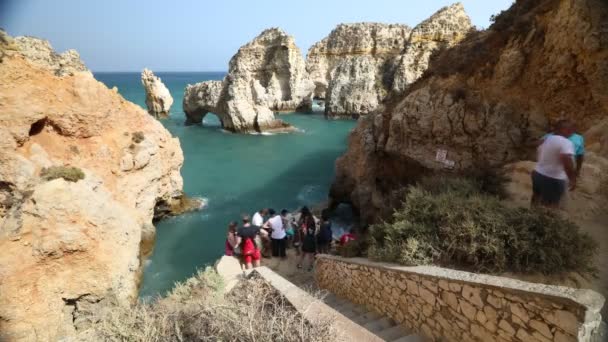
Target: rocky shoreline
{"points": [[358, 65], [353, 69], [264, 76], [81, 172]]}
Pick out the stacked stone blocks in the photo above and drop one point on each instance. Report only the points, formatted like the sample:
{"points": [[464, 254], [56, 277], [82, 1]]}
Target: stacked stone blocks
{"points": [[444, 304]]}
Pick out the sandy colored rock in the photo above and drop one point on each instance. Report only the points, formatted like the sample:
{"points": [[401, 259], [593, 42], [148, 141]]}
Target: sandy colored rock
{"points": [[444, 29], [158, 98], [466, 109], [266, 75], [68, 247], [39, 52], [357, 65]]}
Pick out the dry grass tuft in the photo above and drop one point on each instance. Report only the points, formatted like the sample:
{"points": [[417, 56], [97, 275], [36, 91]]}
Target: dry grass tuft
{"points": [[197, 310]]}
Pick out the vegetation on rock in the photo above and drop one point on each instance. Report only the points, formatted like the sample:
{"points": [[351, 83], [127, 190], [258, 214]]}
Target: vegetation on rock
{"points": [[138, 137], [68, 173], [454, 223], [197, 310]]}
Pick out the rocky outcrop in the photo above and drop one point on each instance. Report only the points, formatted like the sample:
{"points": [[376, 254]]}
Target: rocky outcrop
{"points": [[482, 103], [202, 98], [81, 171], [357, 65], [350, 66], [442, 30], [158, 98], [40, 52], [266, 75]]}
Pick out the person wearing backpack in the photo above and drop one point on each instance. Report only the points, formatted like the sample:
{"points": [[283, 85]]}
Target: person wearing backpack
{"points": [[309, 243], [249, 251], [325, 235]]}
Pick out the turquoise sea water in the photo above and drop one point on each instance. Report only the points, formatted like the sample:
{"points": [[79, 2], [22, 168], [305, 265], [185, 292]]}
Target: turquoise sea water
{"points": [[235, 173]]}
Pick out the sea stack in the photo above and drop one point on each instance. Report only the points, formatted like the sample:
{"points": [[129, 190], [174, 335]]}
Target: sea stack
{"points": [[81, 172], [483, 104], [158, 98], [357, 65], [266, 75]]}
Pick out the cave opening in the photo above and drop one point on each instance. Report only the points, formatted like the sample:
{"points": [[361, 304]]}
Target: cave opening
{"points": [[38, 126]]}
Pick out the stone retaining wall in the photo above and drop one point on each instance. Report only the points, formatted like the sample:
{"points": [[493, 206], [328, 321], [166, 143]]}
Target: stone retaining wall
{"points": [[453, 305]]}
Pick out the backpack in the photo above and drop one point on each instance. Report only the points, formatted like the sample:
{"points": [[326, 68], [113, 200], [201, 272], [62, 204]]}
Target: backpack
{"points": [[325, 232]]}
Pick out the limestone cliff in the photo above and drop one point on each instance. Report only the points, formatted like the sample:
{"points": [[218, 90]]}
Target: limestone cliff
{"points": [[482, 103], [40, 52], [266, 75], [348, 67], [158, 98], [68, 244], [356, 66]]}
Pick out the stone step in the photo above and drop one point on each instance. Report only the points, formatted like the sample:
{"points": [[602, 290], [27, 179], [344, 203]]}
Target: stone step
{"points": [[393, 333], [366, 317], [409, 338], [378, 325], [349, 314], [383, 327]]}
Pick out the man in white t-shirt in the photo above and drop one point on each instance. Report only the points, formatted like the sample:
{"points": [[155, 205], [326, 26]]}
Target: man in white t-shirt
{"points": [[554, 170], [258, 217], [278, 235]]}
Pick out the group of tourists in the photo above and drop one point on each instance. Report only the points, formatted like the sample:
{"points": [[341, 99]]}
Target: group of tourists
{"points": [[268, 230], [560, 159]]}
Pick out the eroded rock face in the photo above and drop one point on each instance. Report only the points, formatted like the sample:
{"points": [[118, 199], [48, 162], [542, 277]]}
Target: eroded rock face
{"points": [[158, 98], [443, 29], [484, 102], [202, 98], [357, 65], [351, 65], [70, 246], [266, 75], [40, 52]]}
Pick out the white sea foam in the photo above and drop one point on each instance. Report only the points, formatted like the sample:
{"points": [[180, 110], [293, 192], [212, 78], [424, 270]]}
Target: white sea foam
{"points": [[308, 193], [203, 202]]}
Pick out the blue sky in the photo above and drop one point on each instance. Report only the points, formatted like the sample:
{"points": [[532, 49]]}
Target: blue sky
{"points": [[179, 35]]}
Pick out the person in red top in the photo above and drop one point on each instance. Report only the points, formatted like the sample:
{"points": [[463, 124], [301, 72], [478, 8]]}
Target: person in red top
{"points": [[347, 237], [247, 233]]}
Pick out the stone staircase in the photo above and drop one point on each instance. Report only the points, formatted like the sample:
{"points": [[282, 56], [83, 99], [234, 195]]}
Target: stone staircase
{"points": [[383, 327]]}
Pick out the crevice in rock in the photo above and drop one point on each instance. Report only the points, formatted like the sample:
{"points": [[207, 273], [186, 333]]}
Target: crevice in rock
{"points": [[83, 309], [73, 302], [38, 126]]}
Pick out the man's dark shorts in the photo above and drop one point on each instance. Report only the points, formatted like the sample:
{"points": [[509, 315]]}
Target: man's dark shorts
{"points": [[548, 190]]}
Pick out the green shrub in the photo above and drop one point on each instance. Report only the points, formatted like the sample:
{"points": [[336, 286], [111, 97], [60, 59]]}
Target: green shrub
{"points": [[69, 173], [453, 223]]}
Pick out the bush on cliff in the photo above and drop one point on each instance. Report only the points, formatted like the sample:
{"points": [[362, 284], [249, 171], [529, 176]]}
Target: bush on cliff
{"points": [[453, 223], [69, 173], [198, 310]]}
